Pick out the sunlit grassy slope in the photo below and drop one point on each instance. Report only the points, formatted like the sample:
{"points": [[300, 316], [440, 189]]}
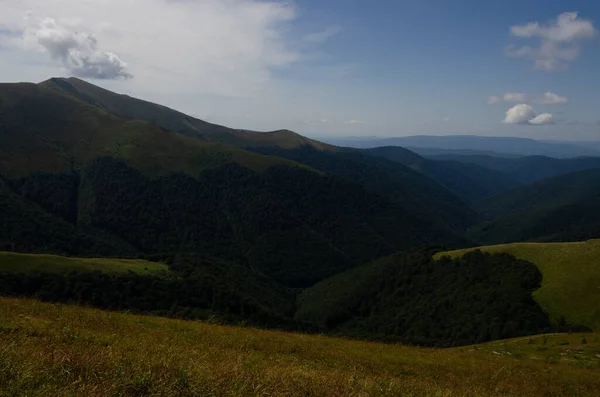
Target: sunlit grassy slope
{"points": [[571, 277], [23, 263], [58, 350]]}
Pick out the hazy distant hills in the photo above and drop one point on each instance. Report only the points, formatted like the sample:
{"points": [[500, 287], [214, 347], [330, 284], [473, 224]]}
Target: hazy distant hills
{"points": [[471, 181], [463, 144], [527, 169]]}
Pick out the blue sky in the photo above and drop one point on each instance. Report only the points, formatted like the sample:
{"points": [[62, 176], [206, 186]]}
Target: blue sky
{"points": [[329, 68]]}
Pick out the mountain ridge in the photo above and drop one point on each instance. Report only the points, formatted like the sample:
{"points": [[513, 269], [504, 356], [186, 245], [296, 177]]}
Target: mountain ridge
{"points": [[174, 120]]}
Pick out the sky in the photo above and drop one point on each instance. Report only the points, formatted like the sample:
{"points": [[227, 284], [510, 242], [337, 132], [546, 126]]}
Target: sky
{"points": [[335, 68]]}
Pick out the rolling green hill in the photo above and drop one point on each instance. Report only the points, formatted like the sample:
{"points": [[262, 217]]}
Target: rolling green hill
{"points": [[571, 277], [563, 208], [26, 263], [50, 349]]}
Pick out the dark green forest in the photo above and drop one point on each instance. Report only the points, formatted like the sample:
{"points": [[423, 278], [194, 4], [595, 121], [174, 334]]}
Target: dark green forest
{"points": [[295, 225], [197, 288], [410, 298]]}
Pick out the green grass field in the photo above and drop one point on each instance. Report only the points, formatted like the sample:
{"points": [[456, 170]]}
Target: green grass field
{"points": [[23, 263], [571, 277], [59, 350]]}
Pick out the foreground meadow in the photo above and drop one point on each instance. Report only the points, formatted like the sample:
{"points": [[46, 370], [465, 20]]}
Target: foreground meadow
{"points": [[59, 350]]}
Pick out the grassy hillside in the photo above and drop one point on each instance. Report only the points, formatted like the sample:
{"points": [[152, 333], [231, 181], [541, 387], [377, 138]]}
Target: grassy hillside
{"points": [[25, 263], [571, 277], [72, 351]]}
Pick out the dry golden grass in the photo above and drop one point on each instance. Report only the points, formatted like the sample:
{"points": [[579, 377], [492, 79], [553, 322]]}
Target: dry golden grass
{"points": [[59, 350]]}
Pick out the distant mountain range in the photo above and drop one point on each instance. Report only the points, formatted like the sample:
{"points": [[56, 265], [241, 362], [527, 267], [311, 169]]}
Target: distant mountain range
{"points": [[472, 144], [526, 169]]}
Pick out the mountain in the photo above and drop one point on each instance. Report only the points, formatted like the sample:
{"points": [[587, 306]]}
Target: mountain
{"points": [[563, 208], [270, 143], [527, 169], [502, 145], [471, 182], [174, 121], [126, 186]]}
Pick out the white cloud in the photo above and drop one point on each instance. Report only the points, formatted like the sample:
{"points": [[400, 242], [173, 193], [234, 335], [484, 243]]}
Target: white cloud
{"points": [[353, 122], [519, 114], [514, 97], [560, 41], [320, 37], [221, 47], [547, 98], [550, 98], [542, 119], [525, 114], [567, 28], [76, 51]]}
